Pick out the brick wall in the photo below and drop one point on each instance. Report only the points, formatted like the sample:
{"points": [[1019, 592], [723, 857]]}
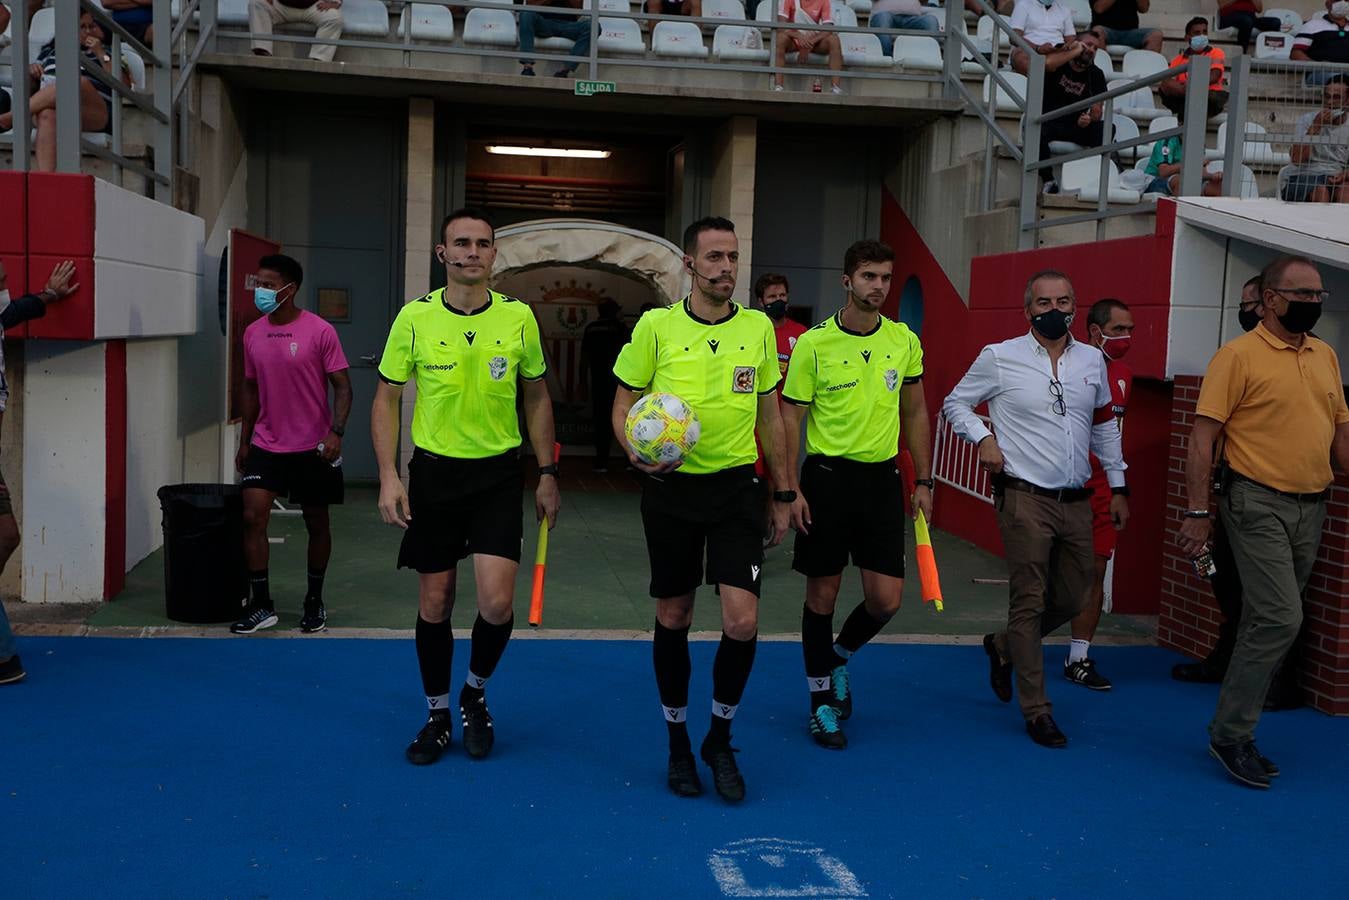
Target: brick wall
{"points": [[1189, 617]]}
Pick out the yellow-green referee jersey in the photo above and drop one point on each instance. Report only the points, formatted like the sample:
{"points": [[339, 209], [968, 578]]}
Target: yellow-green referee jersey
{"points": [[465, 366], [851, 383], [719, 370]]}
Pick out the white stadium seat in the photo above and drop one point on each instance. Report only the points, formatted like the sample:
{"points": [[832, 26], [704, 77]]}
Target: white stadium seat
{"points": [[1141, 63], [1081, 10], [680, 39], [915, 53], [1291, 20], [615, 6], [863, 50], [232, 13], [1138, 105], [861, 7], [365, 18], [1273, 45], [1084, 176], [490, 27], [1006, 102], [983, 36], [1126, 129], [764, 11], [724, 9], [1253, 151], [844, 17], [1250, 188], [739, 43], [621, 36], [1106, 63], [427, 22], [41, 29]]}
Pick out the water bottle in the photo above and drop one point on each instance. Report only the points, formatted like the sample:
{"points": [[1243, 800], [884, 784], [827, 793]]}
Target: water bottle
{"points": [[335, 463]]}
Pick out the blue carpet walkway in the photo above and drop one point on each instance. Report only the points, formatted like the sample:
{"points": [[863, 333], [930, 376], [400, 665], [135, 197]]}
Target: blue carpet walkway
{"points": [[238, 768]]}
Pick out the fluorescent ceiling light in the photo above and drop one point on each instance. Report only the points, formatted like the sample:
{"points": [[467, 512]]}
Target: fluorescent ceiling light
{"points": [[567, 152]]}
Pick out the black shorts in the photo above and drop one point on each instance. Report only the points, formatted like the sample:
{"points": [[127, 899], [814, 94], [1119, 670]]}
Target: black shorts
{"points": [[721, 513], [856, 509], [303, 477], [460, 507]]}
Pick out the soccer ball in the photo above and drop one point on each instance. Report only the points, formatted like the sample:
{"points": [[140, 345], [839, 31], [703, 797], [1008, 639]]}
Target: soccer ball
{"points": [[661, 428]]}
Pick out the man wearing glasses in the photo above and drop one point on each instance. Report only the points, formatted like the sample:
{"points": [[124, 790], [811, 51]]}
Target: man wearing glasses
{"points": [[1276, 397], [1049, 398]]}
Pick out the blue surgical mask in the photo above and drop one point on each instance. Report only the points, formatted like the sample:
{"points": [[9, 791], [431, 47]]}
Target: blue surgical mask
{"points": [[265, 299], [1199, 43]]}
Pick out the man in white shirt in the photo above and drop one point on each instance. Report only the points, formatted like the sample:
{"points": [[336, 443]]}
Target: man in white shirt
{"points": [[1048, 27], [1049, 398]]}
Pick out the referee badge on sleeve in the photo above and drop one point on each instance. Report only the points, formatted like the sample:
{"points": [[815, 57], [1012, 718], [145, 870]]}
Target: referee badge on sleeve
{"points": [[743, 380], [891, 379]]}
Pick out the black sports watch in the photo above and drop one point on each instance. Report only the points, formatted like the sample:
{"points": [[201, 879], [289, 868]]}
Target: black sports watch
{"points": [[925, 482], [550, 469], [338, 430], [1121, 491], [784, 496]]}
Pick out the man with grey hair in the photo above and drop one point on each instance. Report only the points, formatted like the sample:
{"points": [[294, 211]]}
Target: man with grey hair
{"points": [[1049, 398]]}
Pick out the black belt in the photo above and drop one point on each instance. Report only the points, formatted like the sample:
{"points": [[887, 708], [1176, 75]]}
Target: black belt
{"points": [[1062, 495], [1318, 495]]}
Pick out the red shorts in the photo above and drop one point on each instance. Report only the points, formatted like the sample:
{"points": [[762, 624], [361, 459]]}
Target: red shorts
{"points": [[1103, 532]]}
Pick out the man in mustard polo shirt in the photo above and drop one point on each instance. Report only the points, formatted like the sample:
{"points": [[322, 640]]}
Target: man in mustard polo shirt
{"points": [[854, 376], [469, 350], [721, 359], [1276, 397]]}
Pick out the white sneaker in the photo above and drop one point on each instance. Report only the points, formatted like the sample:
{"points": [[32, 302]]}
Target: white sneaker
{"points": [[836, 90], [778, 87]]}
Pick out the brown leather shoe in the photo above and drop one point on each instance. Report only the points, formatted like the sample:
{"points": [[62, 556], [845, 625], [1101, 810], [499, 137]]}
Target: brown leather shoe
{"points": [[999, 672], [1044, 732]]}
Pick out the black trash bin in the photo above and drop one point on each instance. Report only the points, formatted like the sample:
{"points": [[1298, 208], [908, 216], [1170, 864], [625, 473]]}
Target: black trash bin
{"points": [[205, 579]]}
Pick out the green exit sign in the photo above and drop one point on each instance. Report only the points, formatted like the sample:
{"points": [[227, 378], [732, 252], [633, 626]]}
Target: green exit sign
{"points": [[591, 88]]}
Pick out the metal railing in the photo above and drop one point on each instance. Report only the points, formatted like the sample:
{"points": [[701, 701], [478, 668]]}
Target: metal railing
{"points": [[955, 461], [72, 65]]}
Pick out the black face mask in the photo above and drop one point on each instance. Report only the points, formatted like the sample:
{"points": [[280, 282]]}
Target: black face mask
{"points": [[1248, 318], [1052, 325], [776, 310], [1301, 317]]}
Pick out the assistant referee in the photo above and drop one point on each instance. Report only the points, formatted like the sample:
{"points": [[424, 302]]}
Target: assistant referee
{"points": [[721, 359], [469, 350], [854, 377]]}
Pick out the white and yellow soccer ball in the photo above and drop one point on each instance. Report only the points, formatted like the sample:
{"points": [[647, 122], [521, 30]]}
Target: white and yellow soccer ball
{"points": [[662, 428]]}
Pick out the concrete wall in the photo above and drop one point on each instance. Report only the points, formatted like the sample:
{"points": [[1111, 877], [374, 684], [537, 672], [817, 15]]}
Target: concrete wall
{"points": [[733, 183]]}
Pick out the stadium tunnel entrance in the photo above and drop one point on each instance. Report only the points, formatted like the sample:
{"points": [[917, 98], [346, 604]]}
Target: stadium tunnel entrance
{"points": [[565, 269]]}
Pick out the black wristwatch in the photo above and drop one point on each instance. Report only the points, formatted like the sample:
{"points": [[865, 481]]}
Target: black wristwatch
{"points": [[1198, 514], [550, 469], [784, 496], [924, 482], [1121, 491], [338, 430]]}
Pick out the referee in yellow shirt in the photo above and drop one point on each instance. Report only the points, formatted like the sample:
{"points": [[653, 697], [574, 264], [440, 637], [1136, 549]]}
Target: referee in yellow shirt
{"points": [[470, 351], [1275, 400], [705, 521], [854, 377]]}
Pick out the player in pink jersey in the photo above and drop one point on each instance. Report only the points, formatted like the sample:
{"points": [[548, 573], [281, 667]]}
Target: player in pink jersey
{"points": [[291, 441]]}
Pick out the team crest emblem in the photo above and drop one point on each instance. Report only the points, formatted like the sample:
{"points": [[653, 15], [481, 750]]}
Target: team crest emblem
{"points": [[294, 348], [496, 367], [891, 379], [791, 343], [743, 380]]}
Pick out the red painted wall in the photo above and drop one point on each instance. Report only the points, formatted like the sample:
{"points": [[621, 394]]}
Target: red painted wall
{"points": [[1135, 270]]}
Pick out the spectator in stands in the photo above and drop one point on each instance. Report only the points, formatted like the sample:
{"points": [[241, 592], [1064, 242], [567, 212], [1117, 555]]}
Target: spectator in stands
{"points": [[136, 16], [1165, 164], [1048, 27], [324, 15], [553, 24], [900, 14], [1320, 171], [804, 40], [1079, 79], [12, 312], [1244, 16], [95, 96], [1119, 19], [4, 21], [1324, 38], [692, 8], [1173, 89]]}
